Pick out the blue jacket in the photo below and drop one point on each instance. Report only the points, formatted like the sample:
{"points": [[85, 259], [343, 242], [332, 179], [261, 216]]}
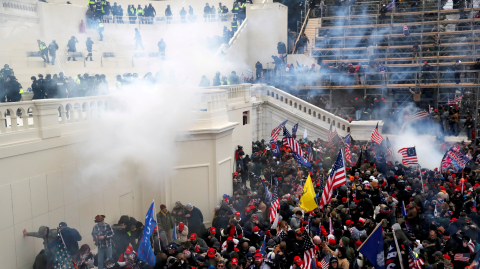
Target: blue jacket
{"points": [[71, 238]]}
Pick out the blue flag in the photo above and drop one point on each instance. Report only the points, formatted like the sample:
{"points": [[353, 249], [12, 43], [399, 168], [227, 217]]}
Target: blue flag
{"points": [[268, 195], [393, 261], [459, 160], [391, 5], [372, 249], [294, 130], [274, 147], [145, 251], [262, 249], [174, 235]]}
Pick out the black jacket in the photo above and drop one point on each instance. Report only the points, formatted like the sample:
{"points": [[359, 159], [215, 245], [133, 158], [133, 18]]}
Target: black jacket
{"points": [[71, 237]]}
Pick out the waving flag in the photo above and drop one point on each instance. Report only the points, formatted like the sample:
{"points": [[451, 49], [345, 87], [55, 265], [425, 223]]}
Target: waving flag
{"points": [[471, 246], [409, 156], [391, 5], [389, 148], [275, 148], [294, 130], [461, 257], [393, 260], [414, 117], [262, 248], [273, 213], [305, 136], [372, 248], [308, 252], [332, 135], [325, 261], [297, 153], [308, 153], [336, 178], [307, 201], [458, 159], [348, 154], [145, 251], [277, 130], [376, 137], [414, 261]]}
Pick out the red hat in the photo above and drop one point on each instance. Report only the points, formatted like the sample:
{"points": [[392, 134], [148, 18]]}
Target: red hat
{"points": [[236, 249], [425, 62], [453, 219], [268, 232], [279, 178], [255, 216], [349, 222], [235, 173], [181, 226], [344, 199], [332, 241], [442, 187], [162, 207], [211, 252], [129, 250], [298, 261], [395, 176], [358, 243], [394, 194], [258, 257], [446, 256], [229, 238], [234, 261], [193, 236], [237, 214], [248, 209], [318, 184], [213, 230], [255, 229]]}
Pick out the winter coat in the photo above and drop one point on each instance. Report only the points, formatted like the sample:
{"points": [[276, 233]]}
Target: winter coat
{"points": [[195, 220], [71, 237], [165, 221]]}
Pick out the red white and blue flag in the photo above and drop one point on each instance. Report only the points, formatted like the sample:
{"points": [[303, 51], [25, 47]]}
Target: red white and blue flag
{"points": [[336, 178], [308, 252], [389, 148], [376, 137], [273, 213], [277, 130], [290, 142], [348, 154], [409, 156], [415, 262]]}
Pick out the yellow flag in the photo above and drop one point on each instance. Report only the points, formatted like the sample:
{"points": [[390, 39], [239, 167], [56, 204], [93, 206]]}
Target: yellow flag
{"points": [[307, 201]]}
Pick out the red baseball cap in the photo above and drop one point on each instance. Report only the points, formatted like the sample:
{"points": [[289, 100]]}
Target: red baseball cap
{"points": [[181, 226], [193, 236], [453, 219], [237, 214], [258, 257], [255, 229], [298, 261], [234, 261], [129, 250], [248, 209], [230, 238], [211, 252], [213, 230], [255, 216]]}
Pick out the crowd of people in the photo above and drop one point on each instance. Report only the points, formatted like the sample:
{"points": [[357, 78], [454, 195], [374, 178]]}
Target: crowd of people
{"points": [[432, 212]]}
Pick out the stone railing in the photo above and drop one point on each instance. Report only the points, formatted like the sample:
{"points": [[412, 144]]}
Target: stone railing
{"points": [[32, 7], [274, 95], [212, 100], [42, 119]]}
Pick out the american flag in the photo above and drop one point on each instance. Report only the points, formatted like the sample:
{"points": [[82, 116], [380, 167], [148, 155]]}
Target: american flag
{"points": [[414, 262], [451, 102], [276, 130], [409, 156], [308, 252], [290, 142], [325, 261], [389, 148], [282, 234], [309, 153], [331, 135], [348, 155], [336, 178], [471, 246], [414, 117], [461, 257], [376, 137], [275, 204], [458, 98]]}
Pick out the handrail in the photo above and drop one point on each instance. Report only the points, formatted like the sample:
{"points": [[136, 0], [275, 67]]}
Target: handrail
{"points": [[307, 108], [225, 47], [301, 31]]}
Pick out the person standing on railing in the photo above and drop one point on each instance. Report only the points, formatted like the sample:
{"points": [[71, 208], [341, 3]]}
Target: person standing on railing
{"points": [[168, 14], [183, 14], [242, 12], [91, 3], [417, 52], [220, 12]]}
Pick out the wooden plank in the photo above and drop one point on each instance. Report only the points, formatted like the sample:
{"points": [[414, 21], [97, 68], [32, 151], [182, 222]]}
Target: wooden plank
{"points": [[397, 47], [442, 34], [430, 85], [418, 13]]}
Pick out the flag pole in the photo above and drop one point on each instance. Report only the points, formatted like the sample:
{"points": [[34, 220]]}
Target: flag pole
{"points": [[378, 225], [421, 178], [158, 233], [398, 251]]}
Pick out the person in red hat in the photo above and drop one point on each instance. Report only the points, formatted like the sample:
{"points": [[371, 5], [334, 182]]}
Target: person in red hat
{"points": [[234, 263], [198, 243], [252, 222], [166, 222], [258, 260], [229, 245], [297, 262], [182, 232], [128, 259], [102, 235]]}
